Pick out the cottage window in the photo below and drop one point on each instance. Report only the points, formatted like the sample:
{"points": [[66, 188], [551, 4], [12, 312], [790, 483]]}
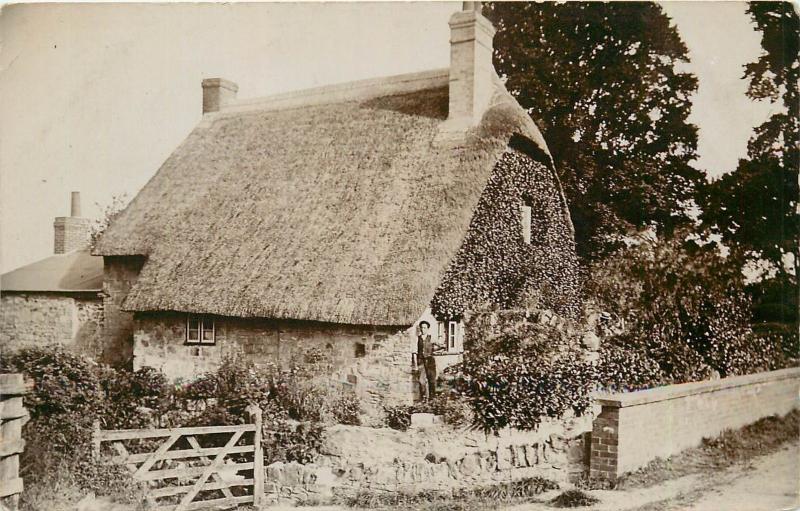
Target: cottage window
{"points": [[525, 218], [200, 330], [452, 336]]}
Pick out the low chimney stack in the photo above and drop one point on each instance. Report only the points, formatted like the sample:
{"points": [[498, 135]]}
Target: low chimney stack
{"points": [[217, 93], [71, 232]]}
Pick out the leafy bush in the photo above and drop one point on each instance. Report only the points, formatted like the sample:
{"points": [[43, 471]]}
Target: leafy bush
{"points": [[347, 409], [134, 399], [518, 372], [63, 382], [686, 308], [398, 417], [622, 368], [293, 442]]}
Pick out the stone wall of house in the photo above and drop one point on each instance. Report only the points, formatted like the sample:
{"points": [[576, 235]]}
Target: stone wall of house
{"points": [[374, 362], [39, 319], [636, 427], [438, 458], [119, 275]]}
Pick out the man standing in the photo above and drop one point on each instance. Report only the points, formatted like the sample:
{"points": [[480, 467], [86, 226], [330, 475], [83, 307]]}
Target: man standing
{"points": [[426, 363]]}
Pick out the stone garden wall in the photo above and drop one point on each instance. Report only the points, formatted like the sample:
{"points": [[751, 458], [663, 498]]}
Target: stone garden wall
{"points": [[437, 458]]}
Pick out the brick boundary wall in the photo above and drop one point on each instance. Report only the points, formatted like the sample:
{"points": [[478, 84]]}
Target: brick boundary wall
{"points": [[636, 427]]}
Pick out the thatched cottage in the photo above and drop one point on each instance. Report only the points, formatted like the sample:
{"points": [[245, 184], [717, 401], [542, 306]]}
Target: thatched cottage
{"points": [[336, 219], [56, 300]]}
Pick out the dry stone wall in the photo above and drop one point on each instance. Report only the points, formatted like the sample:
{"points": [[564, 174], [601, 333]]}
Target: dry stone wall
{"points": [[437, 458]]}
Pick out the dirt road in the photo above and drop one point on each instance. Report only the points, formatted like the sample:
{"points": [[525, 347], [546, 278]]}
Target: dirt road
{"points": [[767, 483], [770, 483]]}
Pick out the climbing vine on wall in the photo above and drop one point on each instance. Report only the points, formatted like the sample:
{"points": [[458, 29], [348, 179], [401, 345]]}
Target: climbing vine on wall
{"points": [[495, 266]]}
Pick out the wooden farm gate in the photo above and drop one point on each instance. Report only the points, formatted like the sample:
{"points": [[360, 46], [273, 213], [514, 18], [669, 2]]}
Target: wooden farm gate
{"points": [[12, 417], [184, 474]]}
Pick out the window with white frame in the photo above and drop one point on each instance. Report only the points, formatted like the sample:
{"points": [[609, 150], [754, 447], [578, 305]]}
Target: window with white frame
{"points": [[200, 330], [452, 336]]}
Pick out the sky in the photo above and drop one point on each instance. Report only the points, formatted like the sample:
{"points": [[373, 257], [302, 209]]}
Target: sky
{"points": [[94, 97]]}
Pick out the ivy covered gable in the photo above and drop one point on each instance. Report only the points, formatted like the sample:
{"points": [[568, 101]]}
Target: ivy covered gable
{"points": [[519, 249]]}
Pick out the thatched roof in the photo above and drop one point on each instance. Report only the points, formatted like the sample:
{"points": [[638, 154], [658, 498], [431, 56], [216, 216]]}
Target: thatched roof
{"points": [[332, 205], [74, 272]]}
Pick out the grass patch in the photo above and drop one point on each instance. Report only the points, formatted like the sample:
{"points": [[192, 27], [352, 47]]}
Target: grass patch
{"points": [[574, 498], [765, 436], [466, 499]]}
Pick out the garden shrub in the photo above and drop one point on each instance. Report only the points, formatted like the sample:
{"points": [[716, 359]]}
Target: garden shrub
{"points": [[517, 373], [398, 417], [134, 399], [300, 442], [685, 307], [622, 368], [63, 381], [346, 409]]}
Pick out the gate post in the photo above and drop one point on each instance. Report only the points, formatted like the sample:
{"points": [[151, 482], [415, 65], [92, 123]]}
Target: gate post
{"points": [[12, 416], [258, 457]]}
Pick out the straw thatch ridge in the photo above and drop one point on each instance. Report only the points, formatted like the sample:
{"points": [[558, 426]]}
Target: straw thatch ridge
{"points": [[344, 212]]}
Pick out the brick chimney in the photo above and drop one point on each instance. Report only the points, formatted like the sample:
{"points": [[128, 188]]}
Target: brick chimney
{"points": [[218, 92], [471, 69], [71, 232]]}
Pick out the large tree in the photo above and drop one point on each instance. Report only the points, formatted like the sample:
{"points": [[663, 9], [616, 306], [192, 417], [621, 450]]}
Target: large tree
{"points": [[601, 81], [754, 208]]}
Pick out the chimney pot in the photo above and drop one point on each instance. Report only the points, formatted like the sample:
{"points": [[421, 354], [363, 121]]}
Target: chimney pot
{"points": [[75, 204], [217, 93]]}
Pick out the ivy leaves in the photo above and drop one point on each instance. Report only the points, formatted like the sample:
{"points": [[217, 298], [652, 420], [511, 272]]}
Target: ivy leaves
{"points": [[494, 266]]}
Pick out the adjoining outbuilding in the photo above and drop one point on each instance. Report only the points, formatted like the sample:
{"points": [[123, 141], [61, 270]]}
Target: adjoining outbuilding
{"points": [[330, 222], [56, 300]]}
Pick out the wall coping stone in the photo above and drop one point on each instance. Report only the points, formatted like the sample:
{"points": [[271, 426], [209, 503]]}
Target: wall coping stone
{"points": [[668, 392]]}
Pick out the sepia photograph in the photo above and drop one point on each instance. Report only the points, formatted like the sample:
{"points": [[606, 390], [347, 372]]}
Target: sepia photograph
{"points": [[395, 255]]}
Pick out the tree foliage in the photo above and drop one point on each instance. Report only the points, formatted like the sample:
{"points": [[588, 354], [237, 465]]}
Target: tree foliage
{"points": [[600, 80], [110, 212], [754, 208], [685, 308]]}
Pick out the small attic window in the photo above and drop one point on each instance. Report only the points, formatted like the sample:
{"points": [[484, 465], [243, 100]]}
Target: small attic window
{"points": [[200, 330], [525, 219], [361, 350]]}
